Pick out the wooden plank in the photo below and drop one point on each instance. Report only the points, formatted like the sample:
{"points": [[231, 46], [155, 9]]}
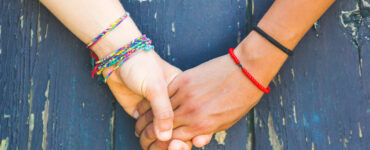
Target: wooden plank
{"points": [[48, 100], [319, 99]]}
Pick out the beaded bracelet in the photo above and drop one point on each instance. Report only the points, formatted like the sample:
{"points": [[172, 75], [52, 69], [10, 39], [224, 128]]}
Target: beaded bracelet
{"points": [[246, 73], [104, 33], [121, 55]]}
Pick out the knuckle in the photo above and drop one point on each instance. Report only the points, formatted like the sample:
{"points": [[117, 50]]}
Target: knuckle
{"points": [[186, 79], [192, 107], [204, 125], [149, 132], [149, 116], [189, 93], [165, 115], [137, 128]]}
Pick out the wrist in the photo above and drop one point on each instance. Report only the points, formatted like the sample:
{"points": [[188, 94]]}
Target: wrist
{"points": [[261, 58], [123, 34], [288, 36]]}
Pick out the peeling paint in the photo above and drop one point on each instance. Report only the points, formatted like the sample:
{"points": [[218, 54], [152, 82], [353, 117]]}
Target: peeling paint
{"points": [[316, 27], [354, 19], [279, 79], [31, 116], [173, 29], [360, 68], [281, 101], [252, 7], [312, 146], [239, 33], [260, 123], [292, 71], [31, 123], [274, 81], [22, 21], [46, 31], [168, 50], [1, 51], [220, 137], [31, 38], [39, 38], [345, 142], [112, 126], [359, 130], [45, 118], [6, 116], [155, 15], [249, 142], [4, 144], [144, 1], [273, 138], [329, 141], [294, 114], [283, 120]]}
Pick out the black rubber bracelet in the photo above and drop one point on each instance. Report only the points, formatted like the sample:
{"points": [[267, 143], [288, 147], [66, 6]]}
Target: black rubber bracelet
{"points": [[273, 41]]}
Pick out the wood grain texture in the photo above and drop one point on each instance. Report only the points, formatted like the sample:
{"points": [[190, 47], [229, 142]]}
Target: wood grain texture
{"points": [[319, 99]]}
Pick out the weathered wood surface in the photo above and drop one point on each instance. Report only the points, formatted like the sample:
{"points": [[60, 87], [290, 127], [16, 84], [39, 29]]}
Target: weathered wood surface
{"points": [[319, 100]]}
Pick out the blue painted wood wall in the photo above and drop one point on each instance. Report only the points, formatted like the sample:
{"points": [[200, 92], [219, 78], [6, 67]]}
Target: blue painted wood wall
{"points": [[320, 99]]}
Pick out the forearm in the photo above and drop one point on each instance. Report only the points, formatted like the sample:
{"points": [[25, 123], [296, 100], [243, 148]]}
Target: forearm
{"points": [[87, 18], [287, 22]]}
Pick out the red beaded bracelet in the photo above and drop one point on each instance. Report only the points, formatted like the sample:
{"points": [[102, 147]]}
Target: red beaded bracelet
{"points": [[255, 82]]}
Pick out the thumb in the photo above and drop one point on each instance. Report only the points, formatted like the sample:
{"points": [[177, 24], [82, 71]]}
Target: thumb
{"points": [[159, 100]]}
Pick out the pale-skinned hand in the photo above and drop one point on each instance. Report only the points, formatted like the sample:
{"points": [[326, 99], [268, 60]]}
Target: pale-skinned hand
{"points": [[145, 76]]}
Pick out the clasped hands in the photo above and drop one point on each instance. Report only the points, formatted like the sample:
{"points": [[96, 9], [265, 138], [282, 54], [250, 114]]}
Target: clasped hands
{"points": [[175, 109]]}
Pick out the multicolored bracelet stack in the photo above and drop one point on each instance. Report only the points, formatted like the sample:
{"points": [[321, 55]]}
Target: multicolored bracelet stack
{"points": [[119, 56]]}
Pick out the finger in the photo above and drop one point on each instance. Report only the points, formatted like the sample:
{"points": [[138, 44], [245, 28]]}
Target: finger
{"points": [[143, 107], [175, 84], [143, 121], [170, 75], [147, 118], [179, 145], [147, 137], [159, 145], [202, 140], [162, 111], [184, 133]]}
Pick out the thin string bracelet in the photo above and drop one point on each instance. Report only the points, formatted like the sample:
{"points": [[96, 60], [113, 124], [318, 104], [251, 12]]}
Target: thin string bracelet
{"points": [[122, 55], [104, 33], [272, 40], [246, 73]]}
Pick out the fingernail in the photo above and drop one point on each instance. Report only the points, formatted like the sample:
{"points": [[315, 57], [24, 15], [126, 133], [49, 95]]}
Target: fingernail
{"points": [[165, 135], [137, 135], [136, 114]]}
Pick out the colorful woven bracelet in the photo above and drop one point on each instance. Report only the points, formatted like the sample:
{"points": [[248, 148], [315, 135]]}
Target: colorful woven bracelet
{"points": [[121, 55], [246, 73], [104, 33]]}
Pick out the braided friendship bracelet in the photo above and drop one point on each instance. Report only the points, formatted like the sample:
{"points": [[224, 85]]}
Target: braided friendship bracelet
{"points": [[104, 33], [246, 73], [122, 55], [272, 40]]}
